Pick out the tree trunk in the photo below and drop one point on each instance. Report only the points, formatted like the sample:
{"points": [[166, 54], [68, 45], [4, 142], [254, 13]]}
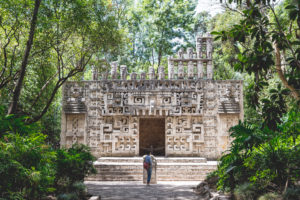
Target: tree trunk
{"points": [[45, 109], [17, 90], [281, 75], [159, 57]]}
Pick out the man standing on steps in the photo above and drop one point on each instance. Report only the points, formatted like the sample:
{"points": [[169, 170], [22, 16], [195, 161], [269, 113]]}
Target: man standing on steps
{"points": [[148, 166]]}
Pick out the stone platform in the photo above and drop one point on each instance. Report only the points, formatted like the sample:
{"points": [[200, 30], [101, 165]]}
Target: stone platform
{"points": [[167, 169], [135, 190]]}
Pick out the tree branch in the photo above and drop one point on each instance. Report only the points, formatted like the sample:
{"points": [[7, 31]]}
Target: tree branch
{"points": [[17, 91], [287, 41], [59, 83], [42, 89], [281, 75]]}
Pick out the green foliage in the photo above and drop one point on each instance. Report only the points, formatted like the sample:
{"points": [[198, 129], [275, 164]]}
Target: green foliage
{"points": [[154, 29], [231, 170], [74, 164], [261, 32], [270, 196], [77, 192], [275, 107], [224, 51], [50, 124], [261, 159], [292, 193], [26, 166], [248, 1], [246, 191], [30, 169], [69, 36], [278, 161]]}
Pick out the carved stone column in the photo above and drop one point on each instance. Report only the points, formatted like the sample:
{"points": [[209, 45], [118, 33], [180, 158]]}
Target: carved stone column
{"points": [[190, 70], [180, 70], [161, 71], [199, 46], [200, 69], [190, 52], [104, 75], [151, 73], [123, 70], [180, 53], [209, 48], [95, 73], [133, 76], [170, 68], [143, 75], [114, 68], [209, 70]]}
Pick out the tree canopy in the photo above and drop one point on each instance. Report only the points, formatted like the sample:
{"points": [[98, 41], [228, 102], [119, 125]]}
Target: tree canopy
{"points": [[44, 43]]}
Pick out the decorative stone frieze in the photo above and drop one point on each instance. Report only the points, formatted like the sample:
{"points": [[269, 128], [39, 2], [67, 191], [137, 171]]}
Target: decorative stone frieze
{"points": [[197, 111]]}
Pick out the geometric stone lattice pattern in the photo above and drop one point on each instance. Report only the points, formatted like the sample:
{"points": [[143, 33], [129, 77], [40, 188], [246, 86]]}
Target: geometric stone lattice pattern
{"points": [[198, 111]]}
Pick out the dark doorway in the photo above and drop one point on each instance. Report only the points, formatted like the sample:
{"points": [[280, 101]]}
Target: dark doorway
{"points": [[152, 136]]}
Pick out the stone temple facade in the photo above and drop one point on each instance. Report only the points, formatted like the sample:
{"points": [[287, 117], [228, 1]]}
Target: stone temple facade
{"points": [[183, 112]]}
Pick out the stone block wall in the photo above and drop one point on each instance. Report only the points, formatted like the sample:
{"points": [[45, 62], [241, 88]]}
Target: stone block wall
{"points": [[198, 111], [198, 114]]}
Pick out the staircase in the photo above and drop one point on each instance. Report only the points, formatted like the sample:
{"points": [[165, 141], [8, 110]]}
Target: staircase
{"points": [[167, 169]]}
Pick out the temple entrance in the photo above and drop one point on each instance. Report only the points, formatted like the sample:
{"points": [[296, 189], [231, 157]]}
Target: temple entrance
{"points": [[152, 136]]}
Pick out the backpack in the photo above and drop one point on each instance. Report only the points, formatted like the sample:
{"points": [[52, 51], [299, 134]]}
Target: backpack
{"points": [[146, 165]]}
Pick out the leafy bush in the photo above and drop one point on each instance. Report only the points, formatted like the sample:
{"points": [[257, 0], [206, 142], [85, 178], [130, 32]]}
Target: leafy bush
{"points": [[74, 163], [78, 192], [12, 124], [30, 169], [245, 191], [275, 163], [267, 159], [72, 166], [68, 196], [292, 193], [231, 170], [26, 167], [270, 196]]}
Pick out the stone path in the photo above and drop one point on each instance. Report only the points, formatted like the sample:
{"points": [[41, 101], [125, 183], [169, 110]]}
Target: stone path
{"points": [[137, 190]]}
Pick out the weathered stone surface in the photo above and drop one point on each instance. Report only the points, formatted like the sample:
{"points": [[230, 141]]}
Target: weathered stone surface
{"points": [[203, 191], [49, 198], [221, 197], [198, 111], [137, 190], [95, 198], [166, 169]]}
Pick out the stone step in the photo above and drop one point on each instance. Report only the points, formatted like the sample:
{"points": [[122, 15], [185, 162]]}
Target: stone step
{"points": [[167, 169], [160, 173], [182, 178], [107, 167], [113, 178], [140, 177], [181, 160], [159, 160]]}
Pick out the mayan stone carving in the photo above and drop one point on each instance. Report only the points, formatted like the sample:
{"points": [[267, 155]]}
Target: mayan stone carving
{"points": [[196, 110]]}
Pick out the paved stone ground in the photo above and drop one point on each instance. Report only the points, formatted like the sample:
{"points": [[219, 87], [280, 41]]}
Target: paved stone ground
{"points": [[136, 190]]}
